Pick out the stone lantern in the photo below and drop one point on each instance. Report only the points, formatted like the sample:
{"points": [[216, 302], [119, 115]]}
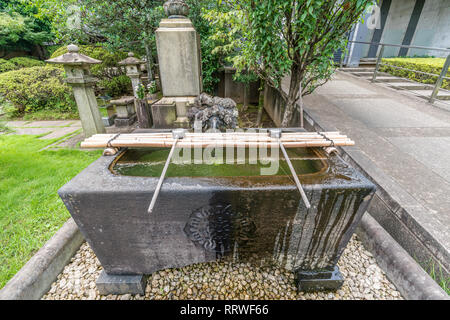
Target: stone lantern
{"points": [[79, 77], [132, 68]]}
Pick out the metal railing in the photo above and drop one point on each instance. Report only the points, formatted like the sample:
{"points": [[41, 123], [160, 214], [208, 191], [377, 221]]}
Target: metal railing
{"points": [[440, 77]]}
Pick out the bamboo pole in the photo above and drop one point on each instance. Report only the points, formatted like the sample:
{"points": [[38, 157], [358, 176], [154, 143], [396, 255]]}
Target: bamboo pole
{"points": [[233, 139]]}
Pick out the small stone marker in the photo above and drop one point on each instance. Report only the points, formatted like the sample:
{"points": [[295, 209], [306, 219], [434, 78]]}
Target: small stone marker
{"points": [[125, 111]]}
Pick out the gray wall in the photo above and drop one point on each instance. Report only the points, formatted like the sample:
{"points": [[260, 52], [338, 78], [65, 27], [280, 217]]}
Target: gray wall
{"points": [[396, 24], [433, 29]]}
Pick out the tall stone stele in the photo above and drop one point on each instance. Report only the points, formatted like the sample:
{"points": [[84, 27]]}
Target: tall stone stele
{"points": [[78, 76], [179, 59], [178, 47]]}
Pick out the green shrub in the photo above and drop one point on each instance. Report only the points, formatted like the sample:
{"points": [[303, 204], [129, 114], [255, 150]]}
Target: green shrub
{"points": [[36, 88], [109, 59], [26, 62], [429, 65], [116, 86], [6, 65]]}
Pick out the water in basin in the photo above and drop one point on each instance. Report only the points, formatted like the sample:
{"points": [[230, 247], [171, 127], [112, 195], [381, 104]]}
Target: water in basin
{"points": [[149, 162]]}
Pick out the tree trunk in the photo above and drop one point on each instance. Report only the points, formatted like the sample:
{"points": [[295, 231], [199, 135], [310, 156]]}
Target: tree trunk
{"points": [[148, 52], [294, 92], [246, 96], [300, 102], [260, 108]]}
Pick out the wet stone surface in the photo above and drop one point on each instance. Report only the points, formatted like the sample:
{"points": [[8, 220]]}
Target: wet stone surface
{"points": [[225, 280]]}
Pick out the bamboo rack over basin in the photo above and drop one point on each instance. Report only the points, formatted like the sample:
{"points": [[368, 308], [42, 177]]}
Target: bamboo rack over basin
{"points": [[229, 139]]}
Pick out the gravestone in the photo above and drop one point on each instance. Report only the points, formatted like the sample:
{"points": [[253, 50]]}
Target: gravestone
{"points": [[178, 45]]}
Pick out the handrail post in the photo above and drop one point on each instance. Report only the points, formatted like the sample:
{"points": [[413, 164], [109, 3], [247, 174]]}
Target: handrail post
{"points": [[440, 79], [380, 56]]}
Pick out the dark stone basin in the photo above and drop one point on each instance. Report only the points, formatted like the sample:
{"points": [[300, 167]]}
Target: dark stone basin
{"points": [[236, 214]]}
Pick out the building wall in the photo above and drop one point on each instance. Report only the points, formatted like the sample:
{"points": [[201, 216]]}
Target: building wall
{"points": [[433, 29], [396, 24]]}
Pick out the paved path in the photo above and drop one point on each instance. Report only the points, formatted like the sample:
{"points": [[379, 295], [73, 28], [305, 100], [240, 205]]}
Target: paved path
{"points": [[402, 141], [69, 132]]}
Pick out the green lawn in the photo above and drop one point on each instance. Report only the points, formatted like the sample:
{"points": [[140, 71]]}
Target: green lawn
{"points": [[30, 208]]}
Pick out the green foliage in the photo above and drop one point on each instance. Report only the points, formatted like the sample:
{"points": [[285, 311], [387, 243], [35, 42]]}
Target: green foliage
{"points": [[20, 28], [36, 88], [26, 62], [116, 86], [124, 24], [152, 87], [18, 62], [6, 65], [428, 65], [110, 59], [212, 60], [277, 38], [141, 92], [30, 208]]}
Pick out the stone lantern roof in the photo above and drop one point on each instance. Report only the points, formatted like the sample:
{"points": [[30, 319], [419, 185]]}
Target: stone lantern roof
{"points": [[73, 57], [131, 60]]}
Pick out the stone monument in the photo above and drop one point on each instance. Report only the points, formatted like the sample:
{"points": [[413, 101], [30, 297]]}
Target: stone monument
{"points": [[79, 77], [178, 45], [131, 65]]}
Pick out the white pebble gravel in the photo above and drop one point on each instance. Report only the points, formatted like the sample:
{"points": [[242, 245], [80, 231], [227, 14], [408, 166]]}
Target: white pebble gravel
{"points": [[364, 280]]}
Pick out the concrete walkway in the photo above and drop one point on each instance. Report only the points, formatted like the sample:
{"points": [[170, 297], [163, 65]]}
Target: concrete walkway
{"points": [[403, 143]]}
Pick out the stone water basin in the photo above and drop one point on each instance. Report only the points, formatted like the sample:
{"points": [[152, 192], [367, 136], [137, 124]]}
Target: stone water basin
{"points": [[206, 212]]}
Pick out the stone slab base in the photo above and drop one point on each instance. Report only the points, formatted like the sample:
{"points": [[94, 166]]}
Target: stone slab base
{"points": [[310, 281], [108, 121], [120, 284], [164, 115], [125, 122]]}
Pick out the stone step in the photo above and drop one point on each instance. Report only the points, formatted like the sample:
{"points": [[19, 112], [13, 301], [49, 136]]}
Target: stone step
{"points": [[367, 74], [386, 79], [357, 69], [367, 63], [368, 60], [410, 85], [442, 95]]}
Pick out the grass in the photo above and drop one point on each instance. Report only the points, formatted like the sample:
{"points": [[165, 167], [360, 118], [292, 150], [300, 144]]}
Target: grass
{"points": [[4, 128], [30, 208], [50, 115], [438, 276]]}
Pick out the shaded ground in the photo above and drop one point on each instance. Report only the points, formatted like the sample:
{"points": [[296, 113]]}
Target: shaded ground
{"points": [[404, 144]]}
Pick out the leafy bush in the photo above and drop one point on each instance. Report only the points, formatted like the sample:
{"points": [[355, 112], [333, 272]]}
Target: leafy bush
{"points": [[6, 65], [19, 62], [116, 86], [429, 65], [109, 59], [26, 62], [36, 88]]}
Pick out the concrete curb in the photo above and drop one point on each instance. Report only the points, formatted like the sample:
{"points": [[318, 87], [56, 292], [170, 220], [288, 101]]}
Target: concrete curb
{"points": [[409, 278], [37, 275]]}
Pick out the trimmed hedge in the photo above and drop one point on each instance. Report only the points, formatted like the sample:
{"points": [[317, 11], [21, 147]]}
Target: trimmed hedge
{"points": [[26, 62], [430, 65], [6, 65], [19, 62], [36, 88], [116, 86]]}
